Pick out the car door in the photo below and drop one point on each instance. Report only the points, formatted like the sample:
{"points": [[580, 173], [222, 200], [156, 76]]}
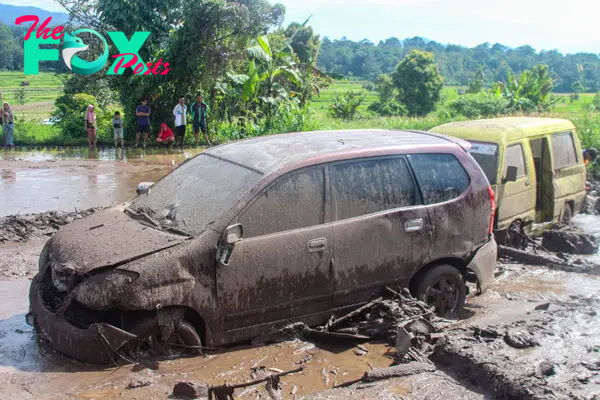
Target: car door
{"points": [[381, 230], [281, 267], [516, 200]]}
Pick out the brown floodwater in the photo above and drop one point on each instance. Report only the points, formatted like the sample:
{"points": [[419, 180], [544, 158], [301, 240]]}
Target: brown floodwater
{"points": [[38, 181]]}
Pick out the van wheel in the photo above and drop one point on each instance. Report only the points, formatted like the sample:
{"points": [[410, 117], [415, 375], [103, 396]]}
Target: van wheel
{"points": [[567, 215], [188, 339], [443, 287]]}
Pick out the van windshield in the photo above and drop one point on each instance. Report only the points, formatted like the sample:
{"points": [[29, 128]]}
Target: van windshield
{"points": [[486, 155], [192, 196]]}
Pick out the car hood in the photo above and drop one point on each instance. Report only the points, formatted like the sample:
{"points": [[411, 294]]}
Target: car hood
{"points": [[106, 239]]}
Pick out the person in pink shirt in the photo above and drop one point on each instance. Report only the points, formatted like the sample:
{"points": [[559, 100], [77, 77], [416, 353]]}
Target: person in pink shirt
{"points": [[90, 126]]}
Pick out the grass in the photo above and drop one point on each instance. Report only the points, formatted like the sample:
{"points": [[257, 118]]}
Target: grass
{"points": [[39, 96]]}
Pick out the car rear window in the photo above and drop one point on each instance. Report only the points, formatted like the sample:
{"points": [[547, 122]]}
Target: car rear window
{"points": [[367, 186], [563, 150], [293, 201], [441, 176], [486, 155]]}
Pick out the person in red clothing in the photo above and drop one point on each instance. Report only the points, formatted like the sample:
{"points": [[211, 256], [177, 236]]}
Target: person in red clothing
{"points": [[165, 135]]}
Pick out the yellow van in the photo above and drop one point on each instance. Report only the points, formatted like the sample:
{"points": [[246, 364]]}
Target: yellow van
{"points": [[535, 167]]}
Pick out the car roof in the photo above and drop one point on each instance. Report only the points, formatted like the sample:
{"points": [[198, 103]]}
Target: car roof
{"points": [[501, 130], [271, 153]]}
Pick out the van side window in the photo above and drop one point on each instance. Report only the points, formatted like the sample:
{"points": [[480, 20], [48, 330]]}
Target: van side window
{"points": [[563, 150], [372, 185], [295, 200], [440, 176], [513, 157]]}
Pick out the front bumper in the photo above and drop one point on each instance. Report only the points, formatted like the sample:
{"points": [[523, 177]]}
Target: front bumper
{"points": [[483, 264], [95, 345]]}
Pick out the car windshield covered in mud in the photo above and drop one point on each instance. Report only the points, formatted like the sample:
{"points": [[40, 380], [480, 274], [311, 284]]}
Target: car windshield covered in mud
{"points": [[252, 235], [192, 196]]}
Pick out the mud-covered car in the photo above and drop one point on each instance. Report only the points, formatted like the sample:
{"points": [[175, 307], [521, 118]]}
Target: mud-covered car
{"points": [[252, 235]]}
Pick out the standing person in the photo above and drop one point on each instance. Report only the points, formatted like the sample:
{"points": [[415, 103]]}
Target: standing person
{"points": [[199, 115], [117, 122], [8, 125], [180, 114], [90, 125], [143, 115]]}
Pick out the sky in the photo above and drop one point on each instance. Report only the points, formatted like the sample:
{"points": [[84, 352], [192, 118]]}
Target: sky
{"points": [[566, 25]]}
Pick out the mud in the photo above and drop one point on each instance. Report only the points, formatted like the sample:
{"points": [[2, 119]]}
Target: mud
{"points": [[34, 182]]}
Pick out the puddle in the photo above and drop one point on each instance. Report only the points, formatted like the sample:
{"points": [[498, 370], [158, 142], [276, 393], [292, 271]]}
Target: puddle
{"points": [[38, 181]]}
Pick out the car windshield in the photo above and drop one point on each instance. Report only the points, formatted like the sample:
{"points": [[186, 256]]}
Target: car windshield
{"points": [[195, 194], [486, 155]]}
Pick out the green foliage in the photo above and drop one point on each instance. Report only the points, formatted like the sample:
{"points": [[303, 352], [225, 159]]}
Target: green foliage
{"points": [[70, 114], [304, 42], [390, 108], [345, 105], [530, 92], [385, 87], [418, 82], [459, 64], [20, 96], [476, 84], [479, 105], [596, 102]]}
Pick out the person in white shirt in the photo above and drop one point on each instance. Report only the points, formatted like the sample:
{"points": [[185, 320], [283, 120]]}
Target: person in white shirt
{"points": [[180, 114]]}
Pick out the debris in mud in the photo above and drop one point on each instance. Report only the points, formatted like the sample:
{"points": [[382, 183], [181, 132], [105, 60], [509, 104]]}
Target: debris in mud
{"points": [[190, 390], [395, 371], [501, 357], [546, 259], [141, 382], [401, 320], [520, 339], [20, 228], [569, 242]]}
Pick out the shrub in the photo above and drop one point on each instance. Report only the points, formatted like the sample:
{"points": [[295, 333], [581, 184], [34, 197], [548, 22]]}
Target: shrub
{"points": [[389, 109], [479, 105], [345, 105]]}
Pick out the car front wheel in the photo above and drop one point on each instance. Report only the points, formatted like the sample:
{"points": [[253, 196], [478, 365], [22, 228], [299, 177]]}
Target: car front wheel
{"points": [[443, 287]]}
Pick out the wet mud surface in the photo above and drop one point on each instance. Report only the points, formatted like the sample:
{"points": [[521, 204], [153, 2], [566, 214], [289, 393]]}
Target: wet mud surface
{"points": [[534, 334], [33, 182]]}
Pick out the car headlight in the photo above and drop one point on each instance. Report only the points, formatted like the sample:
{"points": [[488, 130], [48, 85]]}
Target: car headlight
{"points": [[104, 290]]}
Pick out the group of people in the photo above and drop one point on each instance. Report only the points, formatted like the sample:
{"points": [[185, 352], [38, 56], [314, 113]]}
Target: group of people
{"points": [[199, 114]]}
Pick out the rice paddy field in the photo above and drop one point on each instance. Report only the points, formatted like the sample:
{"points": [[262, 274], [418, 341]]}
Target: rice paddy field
{"points": [[34, 101]]}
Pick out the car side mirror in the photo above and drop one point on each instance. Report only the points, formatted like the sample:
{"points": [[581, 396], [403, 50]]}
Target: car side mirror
{"points": [[143, 187], [234, 233], [511, 174]]}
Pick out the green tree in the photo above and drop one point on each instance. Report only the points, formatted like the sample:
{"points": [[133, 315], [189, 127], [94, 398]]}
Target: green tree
{"points": [[418, 82], [476, 84], [385, 88]]}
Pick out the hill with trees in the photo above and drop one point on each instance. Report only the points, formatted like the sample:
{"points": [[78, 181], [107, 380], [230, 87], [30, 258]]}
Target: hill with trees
{"points": [[458, 64]]}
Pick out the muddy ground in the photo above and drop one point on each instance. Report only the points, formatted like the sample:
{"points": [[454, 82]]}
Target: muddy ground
{"points": [[535, 334]]}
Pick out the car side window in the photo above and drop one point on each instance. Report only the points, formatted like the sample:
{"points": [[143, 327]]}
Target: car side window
{"points": [[513, 157], [563, 150], [369, 186], [293, 201], [441, 176]]}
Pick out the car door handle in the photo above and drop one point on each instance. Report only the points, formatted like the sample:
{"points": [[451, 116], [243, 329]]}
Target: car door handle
{"points": [[316, 245], [413, 225]]}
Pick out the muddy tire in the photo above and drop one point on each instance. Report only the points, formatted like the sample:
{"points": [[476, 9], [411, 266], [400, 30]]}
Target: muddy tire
{"points": [[443, 287], [567, 215], [186, 335]]}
